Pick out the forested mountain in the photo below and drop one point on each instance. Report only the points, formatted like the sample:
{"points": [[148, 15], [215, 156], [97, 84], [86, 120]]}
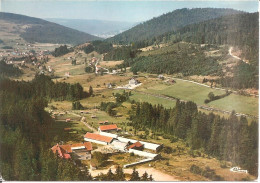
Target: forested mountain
{"points": [[38, 30], [169, 22], [240, 30]]}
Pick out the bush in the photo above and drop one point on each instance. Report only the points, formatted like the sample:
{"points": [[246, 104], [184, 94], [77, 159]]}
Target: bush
{"points": [[62, 50], [119, 157], [88, 49], [167, 149], [89, 69], [173, 139], [77, 105]]}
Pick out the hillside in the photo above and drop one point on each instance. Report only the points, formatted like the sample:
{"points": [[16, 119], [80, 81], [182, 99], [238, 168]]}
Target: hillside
{"points": [[100, 28], [169, 22], [38, 30], [239, 30]]}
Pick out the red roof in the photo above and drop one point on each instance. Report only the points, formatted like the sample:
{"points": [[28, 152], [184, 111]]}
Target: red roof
{"points": [[108, 127], [88, 146], [137, 144], [98, 137], [62, 151]]}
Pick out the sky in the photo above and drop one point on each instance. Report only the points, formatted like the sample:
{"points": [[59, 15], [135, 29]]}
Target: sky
{"points": [[114, 10]]}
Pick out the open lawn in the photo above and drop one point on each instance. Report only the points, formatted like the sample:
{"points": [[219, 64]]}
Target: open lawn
{"points": [[139, 97]]}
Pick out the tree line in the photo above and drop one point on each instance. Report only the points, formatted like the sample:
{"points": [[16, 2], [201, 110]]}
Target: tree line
{"points": [[62, 50], [42, 86], [98, 46], [230, 139]]}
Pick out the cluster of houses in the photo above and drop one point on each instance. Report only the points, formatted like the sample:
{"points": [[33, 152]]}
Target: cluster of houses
{"points": [[107, 136]]}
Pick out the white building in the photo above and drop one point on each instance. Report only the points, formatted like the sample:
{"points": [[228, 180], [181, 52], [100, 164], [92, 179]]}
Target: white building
{"points": [[133, 81]]}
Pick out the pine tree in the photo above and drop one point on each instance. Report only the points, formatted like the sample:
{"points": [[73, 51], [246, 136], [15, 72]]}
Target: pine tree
{"points": [[119, 175], [151, 178], [144, 177], [90, 91], [110, 175], [135, 176]]}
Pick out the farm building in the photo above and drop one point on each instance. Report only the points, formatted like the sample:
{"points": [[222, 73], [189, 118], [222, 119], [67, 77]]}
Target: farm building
{"points": [[97, 138], [109, 134], [122, 146], [108, 128], [64, 151], [79, 146], [144, 154], [147, 145], [103, 122], [133, 81], [137, 146]]}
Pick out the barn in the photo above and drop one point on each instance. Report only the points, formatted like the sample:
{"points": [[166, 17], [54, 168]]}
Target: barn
{"points": [[108, 128], [97, 138]]}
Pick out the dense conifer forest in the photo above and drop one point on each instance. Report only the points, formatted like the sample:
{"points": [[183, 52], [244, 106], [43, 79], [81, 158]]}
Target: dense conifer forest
{"points": [[168, 22], [230, 139], [24, 139]]}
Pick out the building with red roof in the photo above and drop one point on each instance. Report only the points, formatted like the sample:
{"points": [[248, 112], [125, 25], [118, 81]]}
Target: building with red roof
{"points": [[137, 146], [108, 128], [64, 151], [97, 138]]}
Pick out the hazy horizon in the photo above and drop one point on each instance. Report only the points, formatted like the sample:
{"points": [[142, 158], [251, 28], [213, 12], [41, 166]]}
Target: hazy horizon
{"points": [[122, 11]]}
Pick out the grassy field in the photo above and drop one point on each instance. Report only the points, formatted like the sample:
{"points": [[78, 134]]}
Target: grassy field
{"points": [[74, 135], [196, 93], [139, 97]]}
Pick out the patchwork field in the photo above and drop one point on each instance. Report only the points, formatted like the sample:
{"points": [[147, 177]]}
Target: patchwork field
{"points": [[196, 93]]}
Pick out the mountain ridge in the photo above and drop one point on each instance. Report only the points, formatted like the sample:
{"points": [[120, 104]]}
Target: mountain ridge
{"points": [[169, 22], [39, 30]]}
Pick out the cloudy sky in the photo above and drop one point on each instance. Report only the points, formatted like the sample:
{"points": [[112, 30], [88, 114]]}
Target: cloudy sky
{"points": [[131, 11]]}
